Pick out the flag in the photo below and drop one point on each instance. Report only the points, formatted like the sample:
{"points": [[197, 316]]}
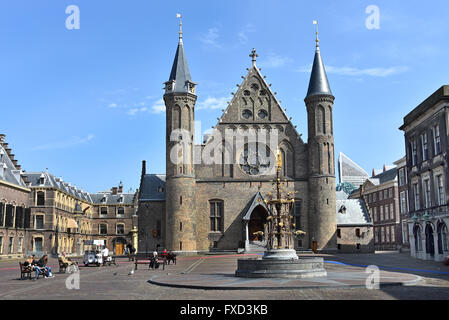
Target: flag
{"points": [[178, 15], [315, 22]]}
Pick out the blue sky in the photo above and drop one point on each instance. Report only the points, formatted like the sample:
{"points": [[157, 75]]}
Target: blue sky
{"points": [[86, 103]]}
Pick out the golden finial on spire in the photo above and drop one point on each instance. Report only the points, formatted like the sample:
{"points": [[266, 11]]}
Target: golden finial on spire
{"points": [[178, 15], [317, 40]]}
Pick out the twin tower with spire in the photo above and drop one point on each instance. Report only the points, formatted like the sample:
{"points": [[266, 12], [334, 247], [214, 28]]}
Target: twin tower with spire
{"points": [[211, 207]]}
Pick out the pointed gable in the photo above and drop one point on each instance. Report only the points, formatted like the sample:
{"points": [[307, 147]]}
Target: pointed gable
{"points": [[257, 200], [254, 102]]}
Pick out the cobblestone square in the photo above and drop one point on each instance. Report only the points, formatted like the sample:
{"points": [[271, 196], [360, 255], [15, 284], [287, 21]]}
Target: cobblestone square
{"points": [[402, 278]]}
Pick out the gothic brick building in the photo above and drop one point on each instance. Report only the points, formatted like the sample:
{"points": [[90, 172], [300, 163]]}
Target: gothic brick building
{"points": [[200, 205]]}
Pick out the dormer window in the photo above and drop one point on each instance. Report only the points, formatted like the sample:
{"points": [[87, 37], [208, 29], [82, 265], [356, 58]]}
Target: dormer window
{"points": [[3, 170], [191, 87], [104, 199], [42, 179], [160, 189]]}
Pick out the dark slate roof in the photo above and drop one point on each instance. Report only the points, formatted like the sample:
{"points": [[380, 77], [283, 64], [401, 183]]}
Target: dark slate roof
{"points": [[57, 183], [180, 72], [256, 200], [356, 213], [111, 199], [318, 79], [10, 173], [386, 176], [153, 188]]}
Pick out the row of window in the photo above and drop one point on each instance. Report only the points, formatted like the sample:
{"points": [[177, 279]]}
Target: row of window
{"points": [[10, 249], [381, 195], [424, 153], [120, 212], [119, 228], [14, 216], [383, 213], [357, 233], [384, 234], [426, 188]]}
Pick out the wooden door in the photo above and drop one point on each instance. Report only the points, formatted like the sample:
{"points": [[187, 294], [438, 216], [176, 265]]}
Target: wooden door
{"points": [[119, 248]]}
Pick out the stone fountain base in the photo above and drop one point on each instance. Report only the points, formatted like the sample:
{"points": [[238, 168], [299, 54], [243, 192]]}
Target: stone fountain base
{"points": [[281, 263]]}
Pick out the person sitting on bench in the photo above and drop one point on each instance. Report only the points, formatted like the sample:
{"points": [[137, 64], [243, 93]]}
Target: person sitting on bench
{"points": [[65, 260]]}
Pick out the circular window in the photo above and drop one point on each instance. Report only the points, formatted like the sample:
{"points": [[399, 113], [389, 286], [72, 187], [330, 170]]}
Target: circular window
{"points": [[256, 159], [263, 92], [262, 114], [247, 114], [246, 93]]}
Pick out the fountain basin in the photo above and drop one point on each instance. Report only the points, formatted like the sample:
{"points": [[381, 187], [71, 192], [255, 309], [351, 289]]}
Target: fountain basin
{"points": [[306, 267]]}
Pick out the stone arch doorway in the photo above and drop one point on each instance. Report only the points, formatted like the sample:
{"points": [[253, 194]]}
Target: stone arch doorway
{"points": [[256, 223], [430, 246], [442, 237], [417, 236]]}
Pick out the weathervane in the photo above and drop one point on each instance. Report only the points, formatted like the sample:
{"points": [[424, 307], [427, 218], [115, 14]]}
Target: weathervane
{"points": [[317, 40], [178, 15]]}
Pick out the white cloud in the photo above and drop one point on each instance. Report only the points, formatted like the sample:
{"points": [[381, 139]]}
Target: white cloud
{"points": [[243, 34], [212, 103], [210, 38], [133, 111], [113, 105], [65, 144], [350, 71], [158, 106], [274, 61]]}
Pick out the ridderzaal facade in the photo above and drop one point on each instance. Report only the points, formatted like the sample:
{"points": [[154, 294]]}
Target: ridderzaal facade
{"points": [[200, 205]]}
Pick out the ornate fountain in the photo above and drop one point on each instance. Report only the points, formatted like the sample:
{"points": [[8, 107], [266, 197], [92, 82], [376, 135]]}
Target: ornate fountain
{"points": [[280, 259]]}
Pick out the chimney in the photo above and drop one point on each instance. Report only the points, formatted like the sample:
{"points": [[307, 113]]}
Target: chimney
{"points": [[2, 138], [114, 190], [144, 168], [120, 187], [374, 173], [385, 168]]}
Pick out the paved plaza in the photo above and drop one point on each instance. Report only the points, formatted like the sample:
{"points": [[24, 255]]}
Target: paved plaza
{"points": [[210, 277]]}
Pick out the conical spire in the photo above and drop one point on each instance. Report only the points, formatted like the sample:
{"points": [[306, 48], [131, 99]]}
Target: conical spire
{"points": [[318, 79], [180, 72]]}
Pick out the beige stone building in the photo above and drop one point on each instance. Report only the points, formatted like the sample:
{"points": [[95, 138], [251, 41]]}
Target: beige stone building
{"points": [[14, 210]]}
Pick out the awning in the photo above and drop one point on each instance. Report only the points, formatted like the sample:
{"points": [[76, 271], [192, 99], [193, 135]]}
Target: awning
{"points": [[72, 224]]}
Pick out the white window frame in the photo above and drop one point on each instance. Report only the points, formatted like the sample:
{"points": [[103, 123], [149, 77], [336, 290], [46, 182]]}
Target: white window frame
{"points": [[403, 202], [440, 190], [416, 196], [427, 198], [414, 152], [425, 147], [43, 221], [436, 140]]}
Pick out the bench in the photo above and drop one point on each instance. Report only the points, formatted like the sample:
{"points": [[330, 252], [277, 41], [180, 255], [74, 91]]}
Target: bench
{"points": [[25, 270], [62, 265], [140, 259]]}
